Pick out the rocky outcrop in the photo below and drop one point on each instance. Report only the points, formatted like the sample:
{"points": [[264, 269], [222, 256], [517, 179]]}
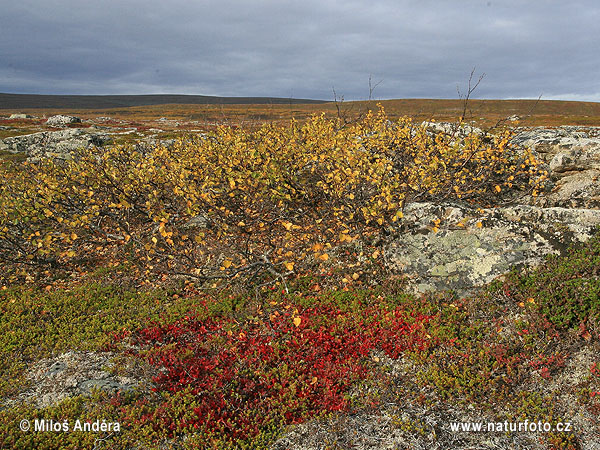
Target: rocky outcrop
{"points": [[73, 373], [20, 116], [61, 120], [572, 156], [455, 247], [452, 129], [52, 144]]}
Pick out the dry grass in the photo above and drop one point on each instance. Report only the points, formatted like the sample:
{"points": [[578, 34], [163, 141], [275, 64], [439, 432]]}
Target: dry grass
{"points": [[484, 113]]}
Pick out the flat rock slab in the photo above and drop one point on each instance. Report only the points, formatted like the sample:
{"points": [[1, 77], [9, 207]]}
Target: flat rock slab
{"points": [[71, 374], [473, 247], [52, 144]]}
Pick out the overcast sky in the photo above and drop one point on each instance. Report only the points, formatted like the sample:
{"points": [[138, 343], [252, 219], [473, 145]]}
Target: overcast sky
{"points": [[302, 49]]}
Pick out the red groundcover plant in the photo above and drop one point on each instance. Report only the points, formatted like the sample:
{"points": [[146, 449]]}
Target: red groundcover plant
{"points": [[280, 367]]}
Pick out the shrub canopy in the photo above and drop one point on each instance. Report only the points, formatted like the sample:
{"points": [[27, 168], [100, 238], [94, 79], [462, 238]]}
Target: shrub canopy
{"points": [[236, 204]]}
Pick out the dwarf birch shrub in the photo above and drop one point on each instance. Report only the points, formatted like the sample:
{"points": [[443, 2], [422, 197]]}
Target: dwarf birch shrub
{"points": [[269, 201]]}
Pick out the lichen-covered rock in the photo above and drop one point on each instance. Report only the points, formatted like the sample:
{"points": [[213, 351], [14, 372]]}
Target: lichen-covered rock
{"points": [[394, 428], [452, 129], [61, 120], [52, 144], [458, 248], [70, 374], [200, 221], [572, 157]]}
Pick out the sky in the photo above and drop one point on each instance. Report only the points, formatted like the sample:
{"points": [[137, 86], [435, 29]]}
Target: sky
{"points": [[303, 49]]}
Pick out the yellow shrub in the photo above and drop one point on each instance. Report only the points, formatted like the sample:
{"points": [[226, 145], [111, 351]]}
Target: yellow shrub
{"points": [[268, 198]]}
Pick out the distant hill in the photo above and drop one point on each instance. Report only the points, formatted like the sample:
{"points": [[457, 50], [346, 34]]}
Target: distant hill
{"points": [[28, 101]]}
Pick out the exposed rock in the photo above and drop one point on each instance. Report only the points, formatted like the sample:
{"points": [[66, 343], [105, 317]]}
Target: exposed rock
{"points": [[52, 144], [71, 374], [473, 247], [395, 429], [572, 157], [577, 190], [452, 129], [61, 120], [20, 116], [200, 221], [544, 140]]}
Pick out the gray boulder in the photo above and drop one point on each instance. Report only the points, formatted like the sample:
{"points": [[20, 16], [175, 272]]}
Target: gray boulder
{"points": [[472, 247], [52, 144], [20, 116], [572, 158], [201, 221], [61, 120], [452, 129], [70, 374]]}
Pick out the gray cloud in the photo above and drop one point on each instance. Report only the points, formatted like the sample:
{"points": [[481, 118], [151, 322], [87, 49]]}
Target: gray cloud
{"points": [[419, 48]]}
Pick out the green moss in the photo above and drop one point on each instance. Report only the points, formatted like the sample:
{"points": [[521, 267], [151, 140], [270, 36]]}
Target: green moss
{"points": [[565, 290], [35, 323]]}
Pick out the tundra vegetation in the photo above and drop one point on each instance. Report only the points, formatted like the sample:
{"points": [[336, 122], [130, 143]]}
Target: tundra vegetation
{"points": [[243, 269]]}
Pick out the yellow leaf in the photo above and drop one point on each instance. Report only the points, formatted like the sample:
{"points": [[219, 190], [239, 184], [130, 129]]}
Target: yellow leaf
{"points": [[478, 224], [498, 188], [375, 254], [355, 276], [314, 380], [154, 239], [73, 236], [227, 264], [324, 257], [287, 225], [317, 247], [289, 265], [297, 321]]}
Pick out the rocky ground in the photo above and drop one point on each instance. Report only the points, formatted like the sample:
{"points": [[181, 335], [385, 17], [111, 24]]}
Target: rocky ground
{"points": [[469, 248]]}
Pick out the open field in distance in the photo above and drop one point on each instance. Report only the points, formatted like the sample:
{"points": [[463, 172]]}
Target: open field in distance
{"points": [[221, 110]]}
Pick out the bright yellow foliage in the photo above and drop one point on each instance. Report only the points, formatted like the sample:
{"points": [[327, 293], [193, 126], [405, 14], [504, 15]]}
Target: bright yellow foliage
{"points": [[267, 197]]}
